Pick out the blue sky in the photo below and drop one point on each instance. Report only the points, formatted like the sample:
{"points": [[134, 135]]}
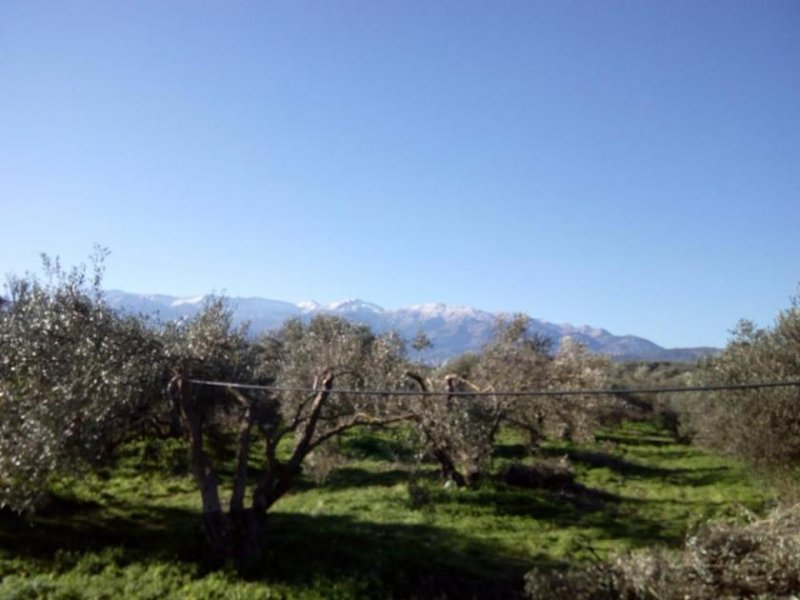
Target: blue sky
{"points": [[630, 165]]}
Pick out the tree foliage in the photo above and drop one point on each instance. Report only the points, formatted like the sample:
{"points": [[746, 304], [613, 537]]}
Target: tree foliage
{"points": [[75, 378], [322, 369], [576, 417], [455, 426], [761, 425], [514, 360], [519, 360]]}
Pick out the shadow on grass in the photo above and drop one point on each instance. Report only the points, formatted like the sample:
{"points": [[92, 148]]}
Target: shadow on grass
{"points": [[376, 445], [619, 465], [701, 477], [512, 451], [662, 453], [694, 477], [574, 507], [157, 532], [353, 477], [636, 440], [397, 560]]}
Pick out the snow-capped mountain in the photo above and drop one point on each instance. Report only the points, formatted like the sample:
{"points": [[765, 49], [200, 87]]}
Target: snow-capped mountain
{"points": [[452, 329]]}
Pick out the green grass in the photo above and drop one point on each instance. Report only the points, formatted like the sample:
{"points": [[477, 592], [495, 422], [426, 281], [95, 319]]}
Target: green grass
{"points": [[381, 525]]}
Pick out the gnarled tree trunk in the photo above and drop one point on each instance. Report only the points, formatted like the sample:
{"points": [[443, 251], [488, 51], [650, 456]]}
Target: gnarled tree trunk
{"points": [[240, 534]]}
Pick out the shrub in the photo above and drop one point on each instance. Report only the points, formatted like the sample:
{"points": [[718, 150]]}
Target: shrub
{"points": [[722, 560]]}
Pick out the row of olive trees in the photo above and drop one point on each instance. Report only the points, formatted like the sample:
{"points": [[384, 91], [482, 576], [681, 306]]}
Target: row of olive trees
{"points": [[77, 379], [321, 372], [323, 378]]}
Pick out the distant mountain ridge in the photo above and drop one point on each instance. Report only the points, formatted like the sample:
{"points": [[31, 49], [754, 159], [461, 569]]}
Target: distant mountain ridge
{"points": [[452, 329]]}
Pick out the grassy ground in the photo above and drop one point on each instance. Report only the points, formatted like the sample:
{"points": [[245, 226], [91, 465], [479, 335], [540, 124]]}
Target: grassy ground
{"points": [[380, 525]]}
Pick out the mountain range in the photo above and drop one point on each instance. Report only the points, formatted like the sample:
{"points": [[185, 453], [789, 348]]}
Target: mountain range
{"points": [[453, 330]]}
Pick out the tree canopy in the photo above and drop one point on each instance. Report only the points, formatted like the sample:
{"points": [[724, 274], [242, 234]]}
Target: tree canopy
{"points": [[75, 379]]}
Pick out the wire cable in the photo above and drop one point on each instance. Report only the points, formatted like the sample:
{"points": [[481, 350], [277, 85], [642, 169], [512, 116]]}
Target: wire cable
{"points": [[508, 394]]}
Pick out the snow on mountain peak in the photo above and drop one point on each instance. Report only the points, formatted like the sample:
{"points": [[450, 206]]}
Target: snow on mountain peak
{"points": [[354, 305], [191, 300], [586, 330], [444, 311], [309, 305]]}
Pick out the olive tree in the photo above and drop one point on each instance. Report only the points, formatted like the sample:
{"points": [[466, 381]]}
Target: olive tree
{"points": [[210, 347], [459, 424], [456, 426], [760, 425], [326, 354], [519, 360], [317, 370], [576, 417], [76, 379]]}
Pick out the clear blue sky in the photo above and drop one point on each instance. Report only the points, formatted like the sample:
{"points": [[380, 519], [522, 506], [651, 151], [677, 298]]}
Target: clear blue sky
{"points": [[631, 165]]}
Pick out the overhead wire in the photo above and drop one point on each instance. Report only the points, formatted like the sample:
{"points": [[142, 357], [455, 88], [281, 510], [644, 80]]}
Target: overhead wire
{"points": [[508, 393]]}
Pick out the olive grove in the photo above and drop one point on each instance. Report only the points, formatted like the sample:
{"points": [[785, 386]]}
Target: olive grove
{"points": [[78, 379]]}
